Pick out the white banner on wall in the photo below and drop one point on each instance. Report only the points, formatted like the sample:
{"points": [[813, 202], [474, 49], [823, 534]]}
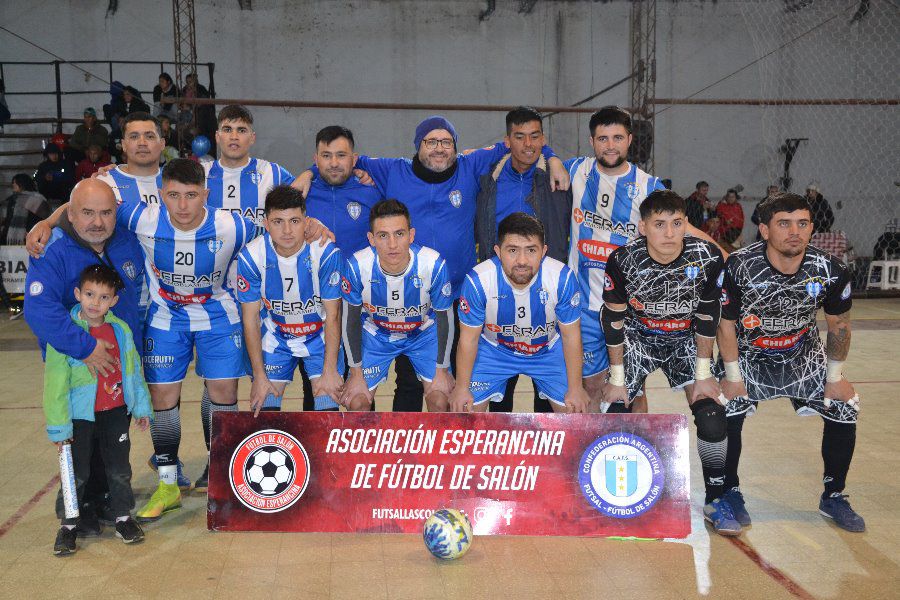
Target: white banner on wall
{"points": [[13, 265]]}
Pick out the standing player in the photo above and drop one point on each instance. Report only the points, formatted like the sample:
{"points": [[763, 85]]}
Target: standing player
{"points": [[138, 180], [299, 286], [514, 308], [606, 194], [661, 309], [771, 348], [400, 294]]}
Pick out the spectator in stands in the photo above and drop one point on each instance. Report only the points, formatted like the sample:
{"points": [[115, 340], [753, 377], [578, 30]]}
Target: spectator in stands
{"points": [[822, 216], [730, 212], [55, 176], [91, 163], [130, 102], [89, 133], [164, 96], [711, 227], [171, 137], [770, 191], [109, 110], [203, 116], [699, 206], [20, 211]]}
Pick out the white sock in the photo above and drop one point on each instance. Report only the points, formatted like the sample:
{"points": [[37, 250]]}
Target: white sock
{"points": [[69, 527], [168, 474], [121, 519]]}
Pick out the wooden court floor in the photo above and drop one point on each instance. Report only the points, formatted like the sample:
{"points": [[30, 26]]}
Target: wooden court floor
{"points": [[790, 552]]}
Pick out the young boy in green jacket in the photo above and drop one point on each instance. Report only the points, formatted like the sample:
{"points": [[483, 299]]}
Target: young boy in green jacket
{"points": [[81, 407]]}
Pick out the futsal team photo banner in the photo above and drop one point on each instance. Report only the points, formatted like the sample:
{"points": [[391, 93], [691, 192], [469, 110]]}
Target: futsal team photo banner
{"points": [[512, 474]]}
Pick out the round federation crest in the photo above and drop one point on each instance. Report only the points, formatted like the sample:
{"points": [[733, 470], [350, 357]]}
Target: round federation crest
{"points": [[269, 471], [354, 210], [621, 475], [129, 269], [455, 198]]}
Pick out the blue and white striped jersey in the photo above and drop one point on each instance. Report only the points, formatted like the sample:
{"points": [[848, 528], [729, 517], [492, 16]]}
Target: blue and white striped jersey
{"points": [[133, 188], [291, 290], [243, 190], [397, 306], [605, 214], [523, 322], [186, 270]]}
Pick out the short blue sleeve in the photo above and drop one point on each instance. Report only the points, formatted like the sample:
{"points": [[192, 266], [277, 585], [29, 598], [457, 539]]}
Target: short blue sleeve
{"points": [[471, 302], [330, 273], [441, 290], [351, 283], [282, 175], [249, 279], [568, 304]]}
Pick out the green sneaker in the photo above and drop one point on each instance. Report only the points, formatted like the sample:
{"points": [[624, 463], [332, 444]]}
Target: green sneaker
{"points": [[167, 497]]}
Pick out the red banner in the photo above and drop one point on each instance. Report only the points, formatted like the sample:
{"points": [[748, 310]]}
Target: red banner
{"points": [[519, 474]]}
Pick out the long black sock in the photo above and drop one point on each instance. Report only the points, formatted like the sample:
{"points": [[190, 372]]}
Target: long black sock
{"points": [[204, 415], [618, 407], [838, 442], [709, 418], [735, 425], [165, 431], [214, 408]]}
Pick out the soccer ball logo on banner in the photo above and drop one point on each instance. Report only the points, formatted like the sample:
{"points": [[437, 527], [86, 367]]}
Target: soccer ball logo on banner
{"points": [[269, 471]]}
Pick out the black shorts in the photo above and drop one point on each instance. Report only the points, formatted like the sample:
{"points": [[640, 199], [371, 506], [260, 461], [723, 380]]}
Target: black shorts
{"points": [[675, 355]]}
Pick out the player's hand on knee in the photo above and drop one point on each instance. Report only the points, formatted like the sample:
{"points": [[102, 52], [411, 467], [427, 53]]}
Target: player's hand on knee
{"points": [[577, 401], [461, 400], [732, 389], [442, 382], [329, 383], [616, 393], [355, 386], [364, 177], [259, 390], [839, 390], [706, 388]]}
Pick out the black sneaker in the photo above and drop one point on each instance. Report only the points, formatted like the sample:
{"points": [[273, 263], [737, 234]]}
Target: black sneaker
{"points": [[129, 531], [201, 484], [65, 542], [88, 526]]}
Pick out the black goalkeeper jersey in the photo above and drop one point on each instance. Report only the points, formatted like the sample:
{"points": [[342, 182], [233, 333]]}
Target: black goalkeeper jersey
{"points": [[662, 299]]}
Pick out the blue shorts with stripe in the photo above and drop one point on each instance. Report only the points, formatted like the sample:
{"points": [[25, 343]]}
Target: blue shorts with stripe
{"points": [[421, 349], [494, 366], [220, 354], [594, 343], [281, 363]]}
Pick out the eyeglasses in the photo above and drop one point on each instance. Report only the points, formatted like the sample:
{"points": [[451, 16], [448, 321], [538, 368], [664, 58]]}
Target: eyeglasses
{"points": [[432, 143]]}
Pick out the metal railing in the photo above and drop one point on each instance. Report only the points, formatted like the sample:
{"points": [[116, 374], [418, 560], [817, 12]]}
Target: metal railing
{"points": [[59, 92]]}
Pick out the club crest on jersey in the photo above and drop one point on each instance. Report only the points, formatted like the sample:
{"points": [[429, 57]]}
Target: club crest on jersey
{"points": [[354, 210], [307, 260], [417, 282], [237, 338], [255, 177], [36, 288], [632, 190], [129, 270], [846, 293], [691, 271], [543, 296], [576, 299], [455, 198], [447, 289], [334, 278], [814, 288], [214, 245]]}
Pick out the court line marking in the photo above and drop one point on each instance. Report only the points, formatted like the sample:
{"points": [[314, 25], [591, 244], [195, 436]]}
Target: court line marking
{"points": [[771, 570], [23, 510]]}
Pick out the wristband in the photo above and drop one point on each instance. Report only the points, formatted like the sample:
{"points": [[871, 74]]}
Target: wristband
{"points": [[617, 375], [834, 371], [733, 372], [702, 370]]}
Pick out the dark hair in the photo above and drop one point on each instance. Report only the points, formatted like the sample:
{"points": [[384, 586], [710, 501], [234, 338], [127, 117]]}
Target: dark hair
{"points": [[388, 208], [141, 116], [167, 77], [522, 224], [235, 112], [521, 115], [781, 202], [610, 115], [101, 274], [184, 170], [733, 191], [662, 201], [24, 181], [284, 197], [328, 134], [700, 184]]}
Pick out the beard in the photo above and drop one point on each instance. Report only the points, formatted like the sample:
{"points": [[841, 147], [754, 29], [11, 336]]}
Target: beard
{"points": [[613, 165], [521, 277], [430, 163], [335, 179]]}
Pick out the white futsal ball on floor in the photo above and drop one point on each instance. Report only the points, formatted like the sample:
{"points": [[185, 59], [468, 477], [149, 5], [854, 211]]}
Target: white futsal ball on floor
{"points": [[447, 533]]}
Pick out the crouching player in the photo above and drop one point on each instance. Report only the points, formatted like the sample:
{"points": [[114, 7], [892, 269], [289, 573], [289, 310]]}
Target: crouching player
{"points": [[514, 308], [298, 285], [399, 293], [661, 309], [94, 411], [771, 348]]}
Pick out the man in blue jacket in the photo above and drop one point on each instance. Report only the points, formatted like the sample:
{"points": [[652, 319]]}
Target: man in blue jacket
{"points": [[439, 187], [89, 237]]}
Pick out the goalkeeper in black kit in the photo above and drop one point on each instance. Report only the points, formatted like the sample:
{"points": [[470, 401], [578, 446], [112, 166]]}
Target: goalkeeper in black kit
{"points": [[661, 310], [770, 346]]}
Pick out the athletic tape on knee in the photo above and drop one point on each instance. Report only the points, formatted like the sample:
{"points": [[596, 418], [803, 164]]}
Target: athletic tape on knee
{"points": [[709, 418]]}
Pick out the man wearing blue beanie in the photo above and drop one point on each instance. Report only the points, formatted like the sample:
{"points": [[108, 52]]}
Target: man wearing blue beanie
{"points": [[439, 187]]}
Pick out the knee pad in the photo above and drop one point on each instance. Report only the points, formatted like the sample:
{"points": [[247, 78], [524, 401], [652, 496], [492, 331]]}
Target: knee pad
{"points": [[709, 417], [618, 407]]}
